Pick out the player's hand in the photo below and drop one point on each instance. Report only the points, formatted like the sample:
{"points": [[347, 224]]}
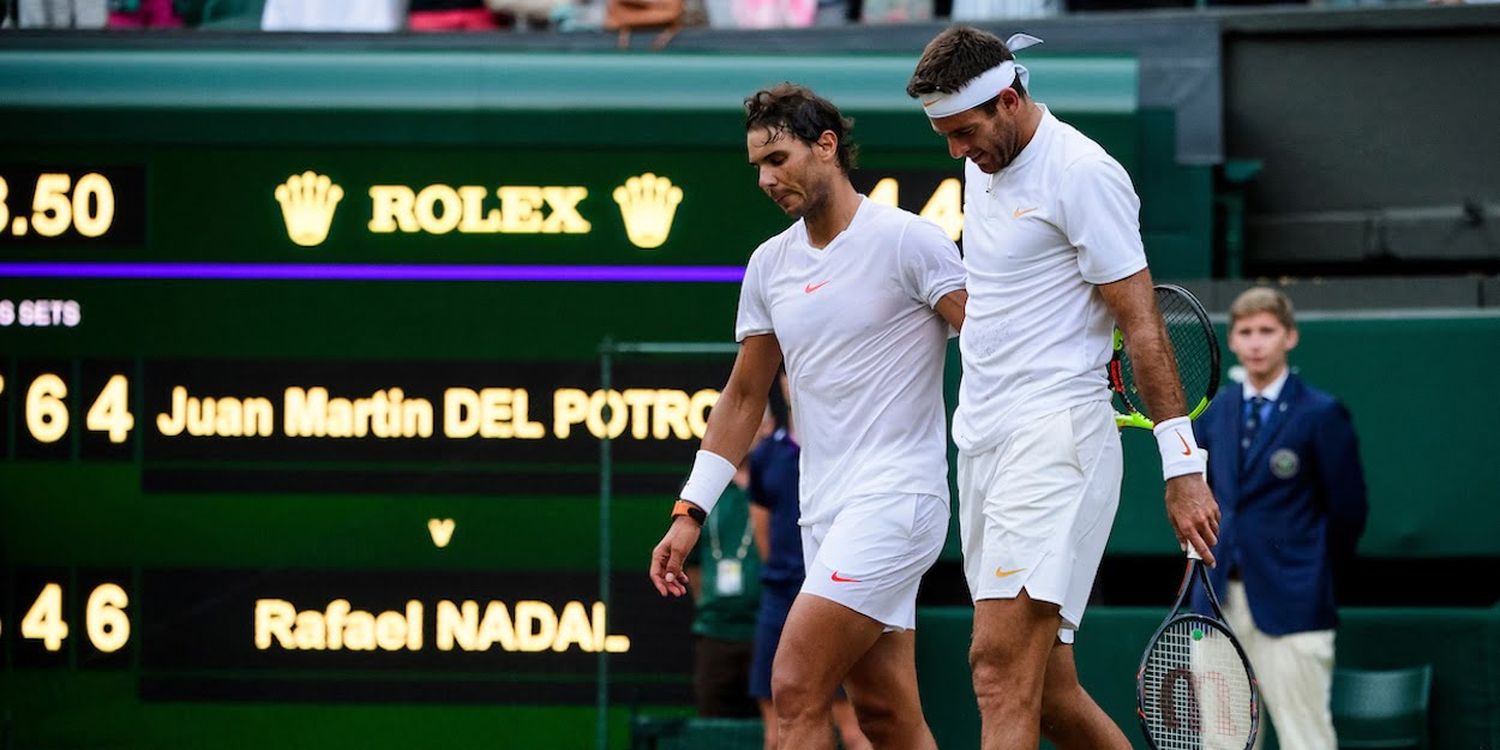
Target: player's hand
{"points": [[666, 559], [1194, 514]]}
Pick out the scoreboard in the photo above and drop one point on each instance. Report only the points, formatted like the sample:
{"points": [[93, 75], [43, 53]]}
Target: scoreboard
{"points": [[296, 434]]}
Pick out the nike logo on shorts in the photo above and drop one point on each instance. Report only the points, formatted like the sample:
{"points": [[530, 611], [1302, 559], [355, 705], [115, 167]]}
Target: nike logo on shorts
{"points": [[1003, 573], [839, 579]]}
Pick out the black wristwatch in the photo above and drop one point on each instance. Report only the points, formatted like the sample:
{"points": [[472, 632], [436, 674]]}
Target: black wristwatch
{"points": [[685, 508]]}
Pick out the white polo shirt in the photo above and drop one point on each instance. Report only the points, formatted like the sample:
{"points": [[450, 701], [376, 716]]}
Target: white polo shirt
{"points": [[1038, 236], [864, 352]]}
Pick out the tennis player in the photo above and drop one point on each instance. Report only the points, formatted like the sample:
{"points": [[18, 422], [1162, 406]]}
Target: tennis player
{"points": [[1053, 249], [859, 297]]}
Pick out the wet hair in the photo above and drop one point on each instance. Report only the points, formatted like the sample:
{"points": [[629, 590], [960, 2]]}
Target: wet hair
{"points": [[956, 56], [1261, 299], [790, 109]]}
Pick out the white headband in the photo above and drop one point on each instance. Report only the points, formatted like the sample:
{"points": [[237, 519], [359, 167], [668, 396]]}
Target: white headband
{"points": [[984, 86]]}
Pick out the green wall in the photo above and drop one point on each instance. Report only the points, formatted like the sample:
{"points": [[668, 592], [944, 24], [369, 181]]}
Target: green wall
{"points": [[1421, 408]]}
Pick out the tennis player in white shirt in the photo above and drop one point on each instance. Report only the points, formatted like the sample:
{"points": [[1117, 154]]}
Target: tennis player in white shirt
{"points": [[1052, 245], [859, 298]]}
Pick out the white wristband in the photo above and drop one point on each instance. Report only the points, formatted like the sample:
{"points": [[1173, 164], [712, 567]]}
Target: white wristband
{"points": [[711, 474], [1180, 453]]}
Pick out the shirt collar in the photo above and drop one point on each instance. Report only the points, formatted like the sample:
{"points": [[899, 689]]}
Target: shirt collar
{"points": [[1272, 391], [1038, 141]]}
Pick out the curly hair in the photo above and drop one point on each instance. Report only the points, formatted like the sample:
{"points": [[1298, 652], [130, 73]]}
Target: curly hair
{"points": [[793, 109], [955, 57]]}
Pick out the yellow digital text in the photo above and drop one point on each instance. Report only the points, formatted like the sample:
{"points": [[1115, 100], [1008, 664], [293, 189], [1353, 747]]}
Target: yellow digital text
{"points": [[474, 209], [528, 626], [490, 413]]}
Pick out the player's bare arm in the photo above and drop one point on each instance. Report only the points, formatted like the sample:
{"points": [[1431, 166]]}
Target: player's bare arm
{"points": [[742, 404], [731, 429], [1191, 507], [951, 307]]}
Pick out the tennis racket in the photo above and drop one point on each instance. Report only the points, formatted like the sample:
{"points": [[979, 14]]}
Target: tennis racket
{"points": [[1194, 344], [1195, 689]]}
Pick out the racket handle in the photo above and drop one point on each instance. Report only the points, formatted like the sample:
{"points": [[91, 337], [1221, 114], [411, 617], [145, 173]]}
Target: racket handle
{"points": [[1192, 552]]}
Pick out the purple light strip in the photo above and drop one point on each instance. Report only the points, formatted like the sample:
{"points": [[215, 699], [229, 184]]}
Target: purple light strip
{"points": [[341, 272]]}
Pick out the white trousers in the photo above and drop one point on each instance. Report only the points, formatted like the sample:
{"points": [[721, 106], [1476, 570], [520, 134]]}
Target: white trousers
{"points": [[1296, 677]]}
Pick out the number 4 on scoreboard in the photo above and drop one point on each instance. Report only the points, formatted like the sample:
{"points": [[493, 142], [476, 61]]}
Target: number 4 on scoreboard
{"points": [[111, 410], [44, 621]]}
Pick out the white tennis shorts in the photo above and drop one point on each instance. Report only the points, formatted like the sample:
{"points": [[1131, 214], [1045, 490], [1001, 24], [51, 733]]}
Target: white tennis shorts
{"points": [[1035, 511], [872, 555]]}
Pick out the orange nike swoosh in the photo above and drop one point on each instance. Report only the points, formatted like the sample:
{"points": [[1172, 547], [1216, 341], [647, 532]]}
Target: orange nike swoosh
{"points": [[839, 579], [1023, 211], [810, 288], [1002, 573], [1186, 450]]}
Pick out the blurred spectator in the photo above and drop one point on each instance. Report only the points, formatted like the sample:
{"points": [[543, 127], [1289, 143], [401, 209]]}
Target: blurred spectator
{"points": [[774, 14], [55, 14], [980, 10], [724, 574], [450, 15], [528, 13], [832, 13], [1094, 5], [143, 14], [898, 11], [333, 15]]}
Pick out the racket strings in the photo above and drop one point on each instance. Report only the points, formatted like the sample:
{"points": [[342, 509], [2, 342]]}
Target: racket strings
{"points": [[1189, 336], [1197, 693], [1186, 330]]}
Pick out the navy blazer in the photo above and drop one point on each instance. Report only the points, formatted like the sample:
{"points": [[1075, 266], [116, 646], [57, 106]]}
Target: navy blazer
{"points": [[1293, 505]]}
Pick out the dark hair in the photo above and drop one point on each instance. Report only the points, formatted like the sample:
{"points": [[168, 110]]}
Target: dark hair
{"points": [[796, 110], [956, 56]]}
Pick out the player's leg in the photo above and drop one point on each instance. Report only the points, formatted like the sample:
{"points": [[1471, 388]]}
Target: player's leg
{"points": [[883, 689], [870, 563], [883, 685], [775, 602], [822, 640], [851, 737], [1012, 642], [1070, 717], [1047, 498]]}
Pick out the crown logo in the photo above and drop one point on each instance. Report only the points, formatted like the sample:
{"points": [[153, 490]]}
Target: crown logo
{"points": [[647, 204], [307, 203]]}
